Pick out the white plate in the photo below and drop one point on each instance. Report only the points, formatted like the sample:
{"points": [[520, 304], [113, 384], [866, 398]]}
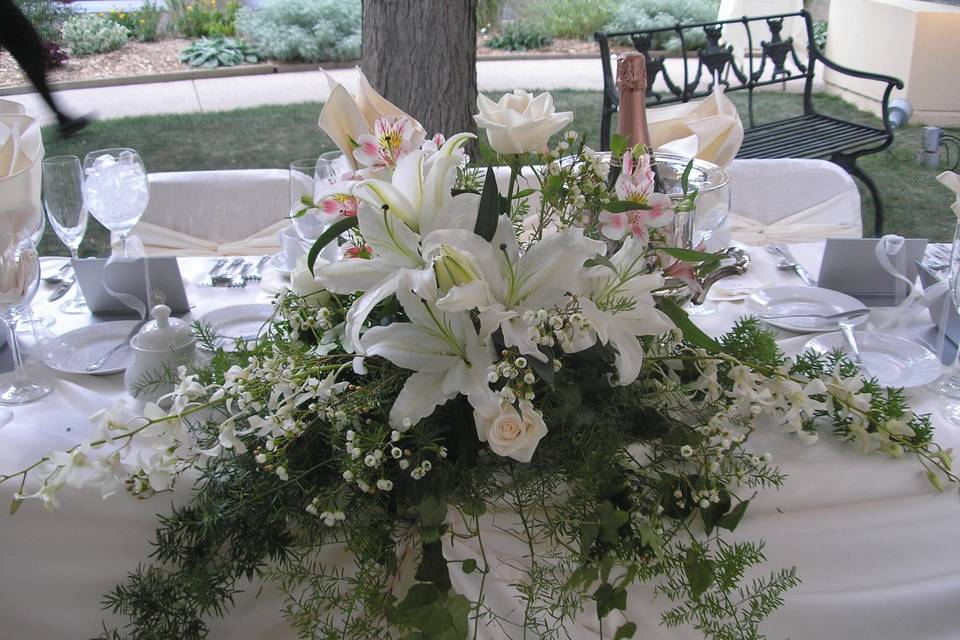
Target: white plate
{"points": [[73, 351], [283, 262], [893, 360], [51, 265], [243, 321], [803, 300]]}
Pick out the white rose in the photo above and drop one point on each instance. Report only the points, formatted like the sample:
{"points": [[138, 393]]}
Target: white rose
{"points": [[512, 434], [520, 122], [304, 284]]}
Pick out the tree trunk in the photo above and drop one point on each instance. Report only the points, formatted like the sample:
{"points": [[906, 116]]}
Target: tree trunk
{"points": [[422, 56]]}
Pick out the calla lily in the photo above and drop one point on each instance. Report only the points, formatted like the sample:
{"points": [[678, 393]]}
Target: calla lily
{"points": [[346, 118], [443, 349]]}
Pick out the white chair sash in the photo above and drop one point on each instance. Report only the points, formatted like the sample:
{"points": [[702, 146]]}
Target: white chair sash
{"points": [[159, 240], [809, 225]]}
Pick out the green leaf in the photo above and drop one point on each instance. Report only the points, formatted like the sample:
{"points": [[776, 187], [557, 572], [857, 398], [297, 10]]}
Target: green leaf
{"points": [[685, 177], [432, 511], [713, 514], [691, 332], [618, 146], [433, 567], [625, 632], [588, 535], [611, 519], [651, 539], [600, 261], [489, 212], [333, 231], [15, 505], [473, 507], [523, 193], [469, 565], [688, 255], [732, 519], [621, 206], [459, 608], [609, 598], [699, 572]]}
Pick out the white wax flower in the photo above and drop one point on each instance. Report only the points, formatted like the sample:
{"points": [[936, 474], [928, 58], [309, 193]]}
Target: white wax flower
{"points": [[520, 122]]}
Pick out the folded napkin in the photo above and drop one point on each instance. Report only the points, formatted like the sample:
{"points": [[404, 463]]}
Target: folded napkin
{"points": [[17, 275], [11, 108], [21, 156], [709, 129], [952, 181]]}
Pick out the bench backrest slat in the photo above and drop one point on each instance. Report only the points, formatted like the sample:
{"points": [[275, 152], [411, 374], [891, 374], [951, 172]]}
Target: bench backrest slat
{"points": [[762, 63]]}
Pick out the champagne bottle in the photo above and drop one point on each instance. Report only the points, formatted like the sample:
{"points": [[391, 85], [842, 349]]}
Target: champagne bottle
{"points": [[632, 120]]}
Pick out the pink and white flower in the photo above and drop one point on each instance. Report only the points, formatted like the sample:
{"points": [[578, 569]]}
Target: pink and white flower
{"points": [[636, 184], [392, 138]]}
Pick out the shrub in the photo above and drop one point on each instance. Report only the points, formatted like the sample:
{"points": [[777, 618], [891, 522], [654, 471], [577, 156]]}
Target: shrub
{"points": [[54, 55], [89, 33], [576, 18], [820, 34], [307, 30], [488, 14], [220, 51], [651, 14], [204, 18], [520, 36], [143, 23], [47, 17]]}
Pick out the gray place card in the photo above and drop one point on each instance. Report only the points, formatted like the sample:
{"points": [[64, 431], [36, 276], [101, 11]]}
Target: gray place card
{"points": [[850, 266]]}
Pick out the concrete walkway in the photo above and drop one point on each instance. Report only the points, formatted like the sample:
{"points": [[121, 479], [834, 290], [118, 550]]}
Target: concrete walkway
{"points": [[224, 94]]}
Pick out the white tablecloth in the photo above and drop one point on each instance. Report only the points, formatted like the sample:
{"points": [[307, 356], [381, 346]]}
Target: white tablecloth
{"points": [[875, 546]]}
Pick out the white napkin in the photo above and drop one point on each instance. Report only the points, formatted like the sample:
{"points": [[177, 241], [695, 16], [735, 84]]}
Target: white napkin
{"points": [[21, 157], [16, 276], [9, 107], [735, 288], [952, 181], [709, 129]]}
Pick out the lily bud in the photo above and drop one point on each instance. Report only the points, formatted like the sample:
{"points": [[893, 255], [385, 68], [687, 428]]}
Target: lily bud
{"points": [[453, 269]]}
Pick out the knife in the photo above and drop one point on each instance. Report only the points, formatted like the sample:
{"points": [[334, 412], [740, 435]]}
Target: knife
{"points": [[61, 290], [847, 330], [797, 268]]}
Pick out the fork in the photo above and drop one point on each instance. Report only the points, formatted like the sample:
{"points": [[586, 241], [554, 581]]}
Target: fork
{"points": [[240, 280], [226, 276], [257, 271], [841, 315]]}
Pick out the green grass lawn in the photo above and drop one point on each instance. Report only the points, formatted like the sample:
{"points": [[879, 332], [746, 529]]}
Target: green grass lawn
{"points": [[272, 137]]}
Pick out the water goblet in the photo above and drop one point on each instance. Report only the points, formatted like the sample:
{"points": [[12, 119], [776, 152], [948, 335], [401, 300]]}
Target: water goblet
{"points": [[116, 190], [63, 200], [30, 323], [309, 226], [19, 279]]}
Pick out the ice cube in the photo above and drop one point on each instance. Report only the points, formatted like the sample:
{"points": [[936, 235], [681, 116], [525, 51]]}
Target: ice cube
{"points": [[128, 158]]}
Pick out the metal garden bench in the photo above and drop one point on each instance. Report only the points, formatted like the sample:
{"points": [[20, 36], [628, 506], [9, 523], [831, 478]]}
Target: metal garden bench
{"points": [[811, 135]]}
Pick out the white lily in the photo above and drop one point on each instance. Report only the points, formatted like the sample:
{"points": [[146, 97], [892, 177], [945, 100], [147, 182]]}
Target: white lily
{"points": [[417, 201], [539, 278], [442, 348], [620, 307]]}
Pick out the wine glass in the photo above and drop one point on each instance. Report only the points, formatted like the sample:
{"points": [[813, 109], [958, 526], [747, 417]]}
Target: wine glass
{"points": [[116, 190], [309, 226], [63, 200], [30, 323], [948, 385], [19, 279]]}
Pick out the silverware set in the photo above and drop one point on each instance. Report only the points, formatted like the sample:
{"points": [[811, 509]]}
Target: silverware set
{"points": [[63, 278], [235, 273], [789, 263]]}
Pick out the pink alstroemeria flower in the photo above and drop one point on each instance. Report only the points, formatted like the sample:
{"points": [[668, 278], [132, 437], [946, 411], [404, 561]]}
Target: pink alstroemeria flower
{"points": [[353, 251], [340, 205], [683, 271], [636, 184], [392, 138]]}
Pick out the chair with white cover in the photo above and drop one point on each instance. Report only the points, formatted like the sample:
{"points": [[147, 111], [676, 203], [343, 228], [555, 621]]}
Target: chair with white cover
{"points": [[792, 200], [235, 212]]}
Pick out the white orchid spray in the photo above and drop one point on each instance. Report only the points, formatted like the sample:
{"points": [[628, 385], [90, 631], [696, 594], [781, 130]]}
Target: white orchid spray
{"points": [[450, 351]]}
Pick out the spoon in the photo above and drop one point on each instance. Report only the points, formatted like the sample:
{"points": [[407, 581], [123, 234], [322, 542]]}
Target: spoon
{"points": [[60, 274]]}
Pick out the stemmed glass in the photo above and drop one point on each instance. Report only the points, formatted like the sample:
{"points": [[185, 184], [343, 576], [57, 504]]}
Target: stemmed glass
{"points": [[19, 279], [302, 180], [30, 323], [949, 384], [116, 190], [63, 200]]}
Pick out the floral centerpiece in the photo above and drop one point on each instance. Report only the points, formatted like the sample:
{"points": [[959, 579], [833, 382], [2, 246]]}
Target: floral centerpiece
{"points": [[449, 353]]}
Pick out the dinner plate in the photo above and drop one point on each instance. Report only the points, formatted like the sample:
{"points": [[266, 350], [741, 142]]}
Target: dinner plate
{"points": [[51, 265], [893, 360], [73, 351], [803, 300], [242, 321]]}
